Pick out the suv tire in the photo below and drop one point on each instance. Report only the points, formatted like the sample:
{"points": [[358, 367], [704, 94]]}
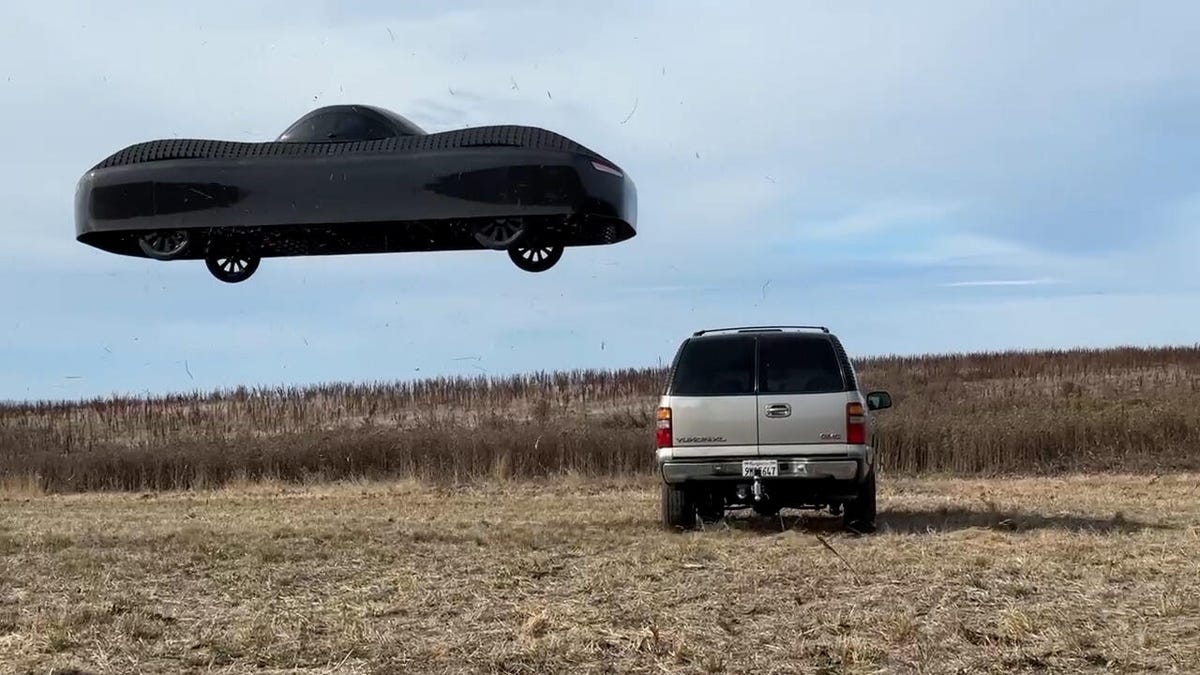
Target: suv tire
{"points": [[678, 512], [860, 513]]}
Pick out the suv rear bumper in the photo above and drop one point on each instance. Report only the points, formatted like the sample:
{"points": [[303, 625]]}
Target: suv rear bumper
{"points": [[847, 469]]}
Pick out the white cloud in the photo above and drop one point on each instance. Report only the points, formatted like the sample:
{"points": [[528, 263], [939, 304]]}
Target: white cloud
{"points": [[891, 219], [1003, 282]]}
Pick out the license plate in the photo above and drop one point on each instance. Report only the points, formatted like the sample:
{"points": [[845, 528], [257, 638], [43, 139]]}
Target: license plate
{"points": [[763, 467]]}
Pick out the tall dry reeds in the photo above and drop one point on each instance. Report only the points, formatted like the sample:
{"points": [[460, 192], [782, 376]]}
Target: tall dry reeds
{"points": [[1017, 412]]}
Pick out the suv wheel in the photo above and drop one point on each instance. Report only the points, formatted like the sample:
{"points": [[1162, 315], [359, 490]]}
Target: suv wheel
{"points": [[767, 509], [710, 507], [860, 513], [678, 512]]}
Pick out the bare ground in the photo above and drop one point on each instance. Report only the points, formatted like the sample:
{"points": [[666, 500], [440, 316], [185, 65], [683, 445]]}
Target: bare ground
{"points": [[1077, 574]]}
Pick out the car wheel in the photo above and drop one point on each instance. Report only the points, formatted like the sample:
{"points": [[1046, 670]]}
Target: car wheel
{"points": [[710, 507], [766, 509], [232, 268], [164, 244], [536, 258], [500, 234], [860, 513], [678, 512]]}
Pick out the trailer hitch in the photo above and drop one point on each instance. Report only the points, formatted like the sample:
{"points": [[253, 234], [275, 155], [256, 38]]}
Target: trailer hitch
{"points": [[757, 489]]}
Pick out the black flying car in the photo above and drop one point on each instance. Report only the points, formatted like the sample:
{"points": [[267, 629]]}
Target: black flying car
{"points": [[355, 179]]}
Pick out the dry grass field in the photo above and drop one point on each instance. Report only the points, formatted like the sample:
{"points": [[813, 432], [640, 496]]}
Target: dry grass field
{"points": [[1039, 511], [968, 415], [1059, 574]]}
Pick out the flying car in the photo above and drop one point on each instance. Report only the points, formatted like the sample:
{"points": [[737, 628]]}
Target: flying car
{"points": [[350, 179]]}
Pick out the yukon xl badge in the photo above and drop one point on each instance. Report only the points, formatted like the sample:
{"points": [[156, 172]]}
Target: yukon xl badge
{"points": [[830, 436], [702, 439]]}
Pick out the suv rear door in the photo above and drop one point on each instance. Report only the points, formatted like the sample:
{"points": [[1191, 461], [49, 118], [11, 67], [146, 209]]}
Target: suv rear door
{"points": [[712, 398], [802, 394]]}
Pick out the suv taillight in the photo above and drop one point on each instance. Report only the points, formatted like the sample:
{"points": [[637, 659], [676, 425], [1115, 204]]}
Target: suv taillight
{"points": [[856, 424], [662, 434]]}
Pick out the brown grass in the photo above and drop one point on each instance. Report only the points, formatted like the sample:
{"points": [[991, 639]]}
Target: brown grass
{"points": [[1059, 574], [20, 485], [977, 414]]}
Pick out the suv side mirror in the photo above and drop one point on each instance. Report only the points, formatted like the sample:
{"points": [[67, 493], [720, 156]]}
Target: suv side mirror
{"points": [[878, 400]]}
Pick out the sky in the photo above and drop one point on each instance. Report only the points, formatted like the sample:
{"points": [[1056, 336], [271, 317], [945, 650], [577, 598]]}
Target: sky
{"points": [[922, 177]]}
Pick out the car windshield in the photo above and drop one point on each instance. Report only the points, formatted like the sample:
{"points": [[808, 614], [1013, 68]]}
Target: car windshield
{"points": [[405, 125], [337, 125]]}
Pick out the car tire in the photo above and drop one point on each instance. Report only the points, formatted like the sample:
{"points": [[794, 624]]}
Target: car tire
{"points": [[860, 513], [678, 511], [164, 244], [710, 507], [767, 509], [232, 268], [535, 257], [500, 234]]}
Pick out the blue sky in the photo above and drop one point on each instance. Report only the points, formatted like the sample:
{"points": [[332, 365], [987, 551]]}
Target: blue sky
{"points": [[925, 177]]}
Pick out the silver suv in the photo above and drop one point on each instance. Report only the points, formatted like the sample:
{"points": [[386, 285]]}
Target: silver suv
{"points": [[767, 417]]}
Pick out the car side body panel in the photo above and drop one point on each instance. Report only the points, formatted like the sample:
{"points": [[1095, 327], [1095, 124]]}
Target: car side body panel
{"points": [[713, 426], [792, 423]]}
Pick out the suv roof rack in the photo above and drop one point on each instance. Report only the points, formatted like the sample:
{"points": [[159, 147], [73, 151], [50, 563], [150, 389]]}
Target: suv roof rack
{"points": [[754, 329]]}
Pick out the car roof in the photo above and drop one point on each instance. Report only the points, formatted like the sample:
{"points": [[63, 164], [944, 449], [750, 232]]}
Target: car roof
{"points": [[804, 331], [772, 335], [400, 125], [398, 120]]}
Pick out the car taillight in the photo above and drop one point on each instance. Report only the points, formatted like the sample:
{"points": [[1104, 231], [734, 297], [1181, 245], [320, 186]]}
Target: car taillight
{"points": [[600, 166], [662, 434], [856, 424]]}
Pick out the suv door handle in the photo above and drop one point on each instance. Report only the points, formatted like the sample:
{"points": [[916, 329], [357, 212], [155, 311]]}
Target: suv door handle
{"points": [[779, 410]]}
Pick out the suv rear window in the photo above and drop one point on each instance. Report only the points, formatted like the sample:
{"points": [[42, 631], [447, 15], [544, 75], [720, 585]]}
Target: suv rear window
{"points": [[796, 364], [715, 367]]}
